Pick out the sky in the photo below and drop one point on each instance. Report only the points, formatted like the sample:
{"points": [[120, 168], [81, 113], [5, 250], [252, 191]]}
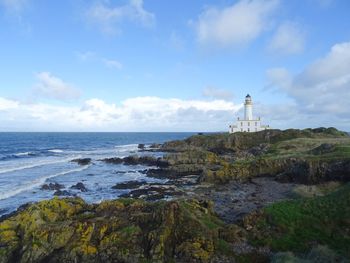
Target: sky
{"points": [[155, 65]]}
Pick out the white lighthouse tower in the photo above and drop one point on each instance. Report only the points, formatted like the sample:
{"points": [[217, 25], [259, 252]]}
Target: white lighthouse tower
{"points": [[248, 108], [248, 124]]}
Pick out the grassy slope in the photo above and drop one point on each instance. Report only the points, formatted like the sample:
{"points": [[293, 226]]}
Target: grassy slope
{"points": [[300, 224]]}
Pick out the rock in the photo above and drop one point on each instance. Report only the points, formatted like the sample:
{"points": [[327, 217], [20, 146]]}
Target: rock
{"points": [[160, 174], [155, 145], [153, 192], [323, 148], [70, 230], [52, 186], [114, 160], [145, 160], [79, 186], [83, 161], [62, 193], [141, 146], [129, 185], [138, 160]]}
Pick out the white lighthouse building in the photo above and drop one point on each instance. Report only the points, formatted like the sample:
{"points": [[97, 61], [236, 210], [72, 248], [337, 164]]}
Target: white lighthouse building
{"points": [[248, 124]]}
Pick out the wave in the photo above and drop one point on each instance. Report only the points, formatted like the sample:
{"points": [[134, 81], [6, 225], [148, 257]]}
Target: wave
{"points": [[37, 183], [24, 154], [126, 145], [55, 151], [33, 165]]}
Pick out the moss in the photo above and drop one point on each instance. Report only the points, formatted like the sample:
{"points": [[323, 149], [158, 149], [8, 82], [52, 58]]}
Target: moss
{"points": [[114, 231]]}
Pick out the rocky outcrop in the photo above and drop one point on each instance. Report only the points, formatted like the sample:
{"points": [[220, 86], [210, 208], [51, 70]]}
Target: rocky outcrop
{"points": [[302, 156], [141, 146], [129, 185], [52, 186], [323, 148], [154, 192], [137, 160], [69, 230], [239, 141], [82, 161], [79, 186]]}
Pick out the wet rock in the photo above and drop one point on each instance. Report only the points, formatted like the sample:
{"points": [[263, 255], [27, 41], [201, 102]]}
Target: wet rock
{"points": [[79, 186], [63, 193], [52, 186], [186, 180], [114, 160], [155, 145], [153, 192], [145, 160], [129, 185], [138, 160], [141, 146], [160, 174], [82, 161]]}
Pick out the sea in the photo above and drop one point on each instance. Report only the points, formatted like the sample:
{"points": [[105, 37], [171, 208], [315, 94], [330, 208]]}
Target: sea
{"points": [[29, 160]]}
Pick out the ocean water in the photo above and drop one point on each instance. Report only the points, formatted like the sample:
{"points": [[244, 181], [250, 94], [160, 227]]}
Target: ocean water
{"points": [[29, 160]]}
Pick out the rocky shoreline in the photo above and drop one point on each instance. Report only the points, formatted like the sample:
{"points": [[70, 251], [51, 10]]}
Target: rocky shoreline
{"points": [[221, 187]]}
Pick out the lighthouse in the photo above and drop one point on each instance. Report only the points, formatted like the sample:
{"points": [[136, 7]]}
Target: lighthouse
{"points": [[249, 123], [248, 108]]}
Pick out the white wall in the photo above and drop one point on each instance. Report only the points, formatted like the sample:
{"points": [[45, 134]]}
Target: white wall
{"points": [[247, 126]]}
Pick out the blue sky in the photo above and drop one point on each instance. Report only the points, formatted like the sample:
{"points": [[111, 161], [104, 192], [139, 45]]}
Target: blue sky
{"points": [[153, 65]]}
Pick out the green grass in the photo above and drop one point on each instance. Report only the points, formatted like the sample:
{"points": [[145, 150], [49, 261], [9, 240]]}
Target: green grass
{"points": [[224, 247], [130, 230], [302, 147], [299, 224]]}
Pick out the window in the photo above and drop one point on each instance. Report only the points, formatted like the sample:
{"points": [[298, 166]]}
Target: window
{"points": [[241, 123], [256, 129], [256, 124], [241, 129], [248, 130], [248, 123]]}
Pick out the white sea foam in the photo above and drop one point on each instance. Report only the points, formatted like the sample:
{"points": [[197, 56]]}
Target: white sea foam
{"points": [[56, 151], [37, 182], [126, 146], [24, 154], [33, 165]]}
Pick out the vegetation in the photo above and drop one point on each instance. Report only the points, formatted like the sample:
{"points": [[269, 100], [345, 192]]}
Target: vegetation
{"points": [[299, 225]]}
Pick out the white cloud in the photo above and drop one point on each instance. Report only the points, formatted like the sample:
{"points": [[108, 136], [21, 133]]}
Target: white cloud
{"points": [[323, 87], [133, 114], [234, 25], [91, 56], [216, 93], [85, 56], [112, 63], [109, 18], [6, 104], [289, 38], [278, 77], [53, 87]]}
